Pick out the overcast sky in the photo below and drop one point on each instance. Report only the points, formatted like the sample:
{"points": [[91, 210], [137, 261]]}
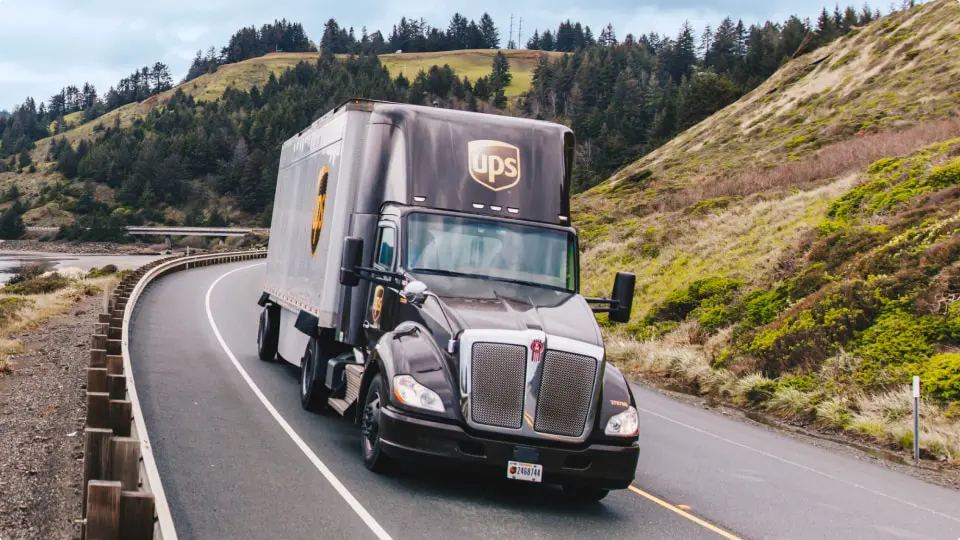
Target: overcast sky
{"points": [[47, 44]]}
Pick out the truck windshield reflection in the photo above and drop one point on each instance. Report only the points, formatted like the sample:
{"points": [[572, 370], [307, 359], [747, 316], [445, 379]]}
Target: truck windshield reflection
{"points": [[488, 249]]}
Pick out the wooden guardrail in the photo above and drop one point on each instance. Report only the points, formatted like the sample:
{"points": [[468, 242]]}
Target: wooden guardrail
{"points": [[123, 498]]}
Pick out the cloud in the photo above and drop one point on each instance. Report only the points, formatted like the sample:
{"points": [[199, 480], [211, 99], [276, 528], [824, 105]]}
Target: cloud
{"points": [[47, 44]]}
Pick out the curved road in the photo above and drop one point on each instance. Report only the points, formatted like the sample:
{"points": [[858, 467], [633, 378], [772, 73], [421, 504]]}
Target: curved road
{"points": [[239, 458]]}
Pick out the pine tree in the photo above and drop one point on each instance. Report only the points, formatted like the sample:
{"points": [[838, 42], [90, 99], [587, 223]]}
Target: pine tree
{"points": [[500, 76], [534, 42], [547, 42], [491, 36], [24, 159]]}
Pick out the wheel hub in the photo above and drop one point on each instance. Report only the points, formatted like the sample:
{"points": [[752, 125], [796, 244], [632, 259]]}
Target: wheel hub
{"points": [[370, 427]]}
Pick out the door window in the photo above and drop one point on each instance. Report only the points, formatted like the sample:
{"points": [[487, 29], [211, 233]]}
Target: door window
{"points": [[386, 249]]}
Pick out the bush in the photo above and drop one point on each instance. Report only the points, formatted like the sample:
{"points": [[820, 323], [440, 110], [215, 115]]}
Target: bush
{"points": [[38, 285], [762, 307], [681, 303], [833, 414], [941, 377], [808, 336], [791, 402], [10, 308], [755, 389], [897, 339], [107, 270]]}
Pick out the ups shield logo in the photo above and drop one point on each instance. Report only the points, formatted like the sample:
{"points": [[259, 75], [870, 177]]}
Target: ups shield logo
{"points": [[318, 208], [494, 164]]}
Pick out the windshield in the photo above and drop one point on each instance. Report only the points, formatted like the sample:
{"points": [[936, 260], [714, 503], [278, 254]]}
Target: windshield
{"points": [[491, 249]]}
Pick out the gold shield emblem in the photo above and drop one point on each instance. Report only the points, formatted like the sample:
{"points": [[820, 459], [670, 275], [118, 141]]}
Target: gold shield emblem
{"points": [[318, 210], [494, 164], [377, 307]]}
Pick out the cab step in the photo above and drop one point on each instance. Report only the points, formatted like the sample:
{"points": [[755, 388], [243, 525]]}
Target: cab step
{"points": [[353, 373]]}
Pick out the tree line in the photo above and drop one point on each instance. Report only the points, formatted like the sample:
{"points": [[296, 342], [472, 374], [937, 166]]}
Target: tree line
{"points": [[625, 98], [30, 122]]}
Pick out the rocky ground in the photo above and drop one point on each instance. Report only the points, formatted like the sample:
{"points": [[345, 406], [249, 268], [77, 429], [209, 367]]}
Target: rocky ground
{"points": [[42, 411]]}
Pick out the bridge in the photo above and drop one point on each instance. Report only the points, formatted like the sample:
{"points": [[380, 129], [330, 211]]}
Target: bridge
{"points": [[168, 232]]}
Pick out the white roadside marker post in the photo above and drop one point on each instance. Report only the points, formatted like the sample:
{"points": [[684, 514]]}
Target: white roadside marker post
{"points": [[916, 418]]}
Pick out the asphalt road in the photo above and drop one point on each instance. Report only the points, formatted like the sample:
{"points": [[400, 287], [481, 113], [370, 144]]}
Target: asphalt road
{"points": [[239, 458]]}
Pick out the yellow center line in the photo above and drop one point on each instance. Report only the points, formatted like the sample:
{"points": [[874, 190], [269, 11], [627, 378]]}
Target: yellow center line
{"points": [[688, 515]]}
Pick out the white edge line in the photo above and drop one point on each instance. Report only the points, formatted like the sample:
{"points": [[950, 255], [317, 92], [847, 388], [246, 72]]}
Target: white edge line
{"points": [[320, 466], [801, 466], [152, 481]]}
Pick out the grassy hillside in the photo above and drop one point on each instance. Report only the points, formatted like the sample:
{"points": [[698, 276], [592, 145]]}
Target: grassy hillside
{"points": [[256, 72], [799, 251]]}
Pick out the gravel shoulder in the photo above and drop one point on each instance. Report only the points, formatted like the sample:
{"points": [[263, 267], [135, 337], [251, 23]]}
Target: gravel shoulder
{"points": [[42, 412]]}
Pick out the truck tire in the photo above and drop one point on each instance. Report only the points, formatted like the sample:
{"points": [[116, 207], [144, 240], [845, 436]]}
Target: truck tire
{"points": [[584, 494], [313, 391], [269, 333], [373, 456]]}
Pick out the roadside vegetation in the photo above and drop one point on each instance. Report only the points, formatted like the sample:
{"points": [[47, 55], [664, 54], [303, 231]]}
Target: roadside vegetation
{"points": [[32, 297], [798, 253]]}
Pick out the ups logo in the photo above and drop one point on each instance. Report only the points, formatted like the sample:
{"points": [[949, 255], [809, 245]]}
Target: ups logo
{"points": [[494, 164], [318, 207]]}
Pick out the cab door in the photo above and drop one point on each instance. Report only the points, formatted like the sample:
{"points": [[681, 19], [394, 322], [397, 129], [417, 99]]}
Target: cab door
{"points": [[384, 300]]}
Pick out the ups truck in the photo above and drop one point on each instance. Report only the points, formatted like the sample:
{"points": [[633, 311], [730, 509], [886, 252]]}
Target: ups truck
{"points": [[423, 273]]}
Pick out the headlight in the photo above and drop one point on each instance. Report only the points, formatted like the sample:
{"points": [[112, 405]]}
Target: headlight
{"points": [[413, 394], [623, 424]]}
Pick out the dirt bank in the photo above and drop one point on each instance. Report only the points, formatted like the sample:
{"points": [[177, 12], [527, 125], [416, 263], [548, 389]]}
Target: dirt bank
{"points": [[84, 248], [42, 410]]}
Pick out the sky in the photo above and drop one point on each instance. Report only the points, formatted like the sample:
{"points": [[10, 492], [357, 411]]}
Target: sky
{"points": [[48, 44]]}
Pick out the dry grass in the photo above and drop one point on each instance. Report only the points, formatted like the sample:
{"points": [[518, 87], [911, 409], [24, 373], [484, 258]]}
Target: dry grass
{"points": [[42, 307], [837, 159], [791, 403]]}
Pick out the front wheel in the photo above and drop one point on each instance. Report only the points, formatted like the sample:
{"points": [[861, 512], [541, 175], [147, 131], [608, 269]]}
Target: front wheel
{"points": [[583, 494], [268, 335], [313, 391], [370, 444]]}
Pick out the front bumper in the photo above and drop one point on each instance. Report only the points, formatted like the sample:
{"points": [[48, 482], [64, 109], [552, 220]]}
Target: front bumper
{"points": [[597, 465]]}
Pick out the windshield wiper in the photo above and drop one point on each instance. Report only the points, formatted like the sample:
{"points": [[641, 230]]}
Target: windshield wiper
{"points": [[451, 273]]}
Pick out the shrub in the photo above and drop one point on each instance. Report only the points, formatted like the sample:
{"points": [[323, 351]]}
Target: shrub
{"points": [[808, 336], [681, 303], [791, 402], [897, 339], [755, 389], [10, 308], [762, 307], [833, 413], [104, 271], [941, 377], [38, 285], [803, 383]]}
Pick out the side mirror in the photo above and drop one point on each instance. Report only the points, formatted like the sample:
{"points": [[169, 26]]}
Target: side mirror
{"points": [[415, 292], [350, 259], [623, 286]]}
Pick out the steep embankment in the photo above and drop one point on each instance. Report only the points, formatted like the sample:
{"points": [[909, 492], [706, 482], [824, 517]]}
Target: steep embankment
{"points": [[798, 251]]}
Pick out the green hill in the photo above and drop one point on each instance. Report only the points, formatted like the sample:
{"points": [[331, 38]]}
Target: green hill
{"points": [[798, 250]]}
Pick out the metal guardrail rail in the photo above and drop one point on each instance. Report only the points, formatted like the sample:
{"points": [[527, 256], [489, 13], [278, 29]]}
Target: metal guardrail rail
{"points": [[123, 495]]}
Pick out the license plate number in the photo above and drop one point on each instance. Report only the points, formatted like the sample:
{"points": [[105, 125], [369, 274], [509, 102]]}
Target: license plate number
{"points": [[528, 472]]}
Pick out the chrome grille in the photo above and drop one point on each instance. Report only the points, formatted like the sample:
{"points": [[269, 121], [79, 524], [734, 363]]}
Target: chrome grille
{"points": [[497, 377], [566, 389]]}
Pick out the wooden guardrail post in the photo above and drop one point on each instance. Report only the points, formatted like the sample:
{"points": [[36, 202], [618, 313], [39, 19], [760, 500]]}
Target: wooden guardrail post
{"points": [[96, 458], [125, 462], [136, 515], [121, 416], [98, 409], [116, 386], [103, 510], [96, 379]]}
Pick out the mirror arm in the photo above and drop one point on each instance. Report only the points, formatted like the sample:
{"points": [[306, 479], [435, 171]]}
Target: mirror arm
{"points": [[380, 277], [614, 304]]}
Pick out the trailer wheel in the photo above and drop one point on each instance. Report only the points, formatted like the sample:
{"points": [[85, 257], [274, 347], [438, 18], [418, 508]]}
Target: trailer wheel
{"points": [[313, 392], [373, 456], [584, 494], [269, 333]]}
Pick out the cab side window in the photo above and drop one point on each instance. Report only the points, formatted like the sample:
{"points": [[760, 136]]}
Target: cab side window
{"points": [[385, 251]]}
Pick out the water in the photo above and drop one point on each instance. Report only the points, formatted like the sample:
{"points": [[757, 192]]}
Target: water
{"points": [[12, 261]]}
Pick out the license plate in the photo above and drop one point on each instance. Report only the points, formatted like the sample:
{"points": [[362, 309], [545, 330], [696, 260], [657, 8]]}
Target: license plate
{"points": [[528, 472]]}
